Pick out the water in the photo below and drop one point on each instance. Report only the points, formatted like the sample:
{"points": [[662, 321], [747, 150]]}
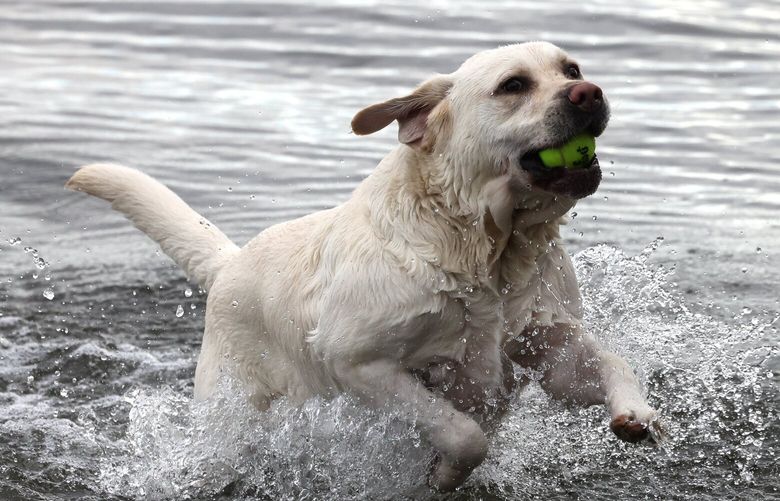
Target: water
{"points": [[244, 110]]}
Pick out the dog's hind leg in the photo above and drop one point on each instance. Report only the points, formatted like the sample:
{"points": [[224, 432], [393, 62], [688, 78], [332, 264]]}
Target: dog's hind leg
{"points": [[233, 349]]}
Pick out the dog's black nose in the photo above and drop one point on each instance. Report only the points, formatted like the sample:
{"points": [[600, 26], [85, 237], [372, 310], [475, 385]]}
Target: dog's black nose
{"points": [[586, 96]]}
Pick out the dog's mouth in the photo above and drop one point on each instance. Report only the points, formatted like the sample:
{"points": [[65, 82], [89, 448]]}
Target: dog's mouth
{"points": [[575, 183]]}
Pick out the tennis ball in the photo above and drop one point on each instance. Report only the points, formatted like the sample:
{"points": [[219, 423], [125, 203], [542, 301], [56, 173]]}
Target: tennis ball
{"points": [[575, 154]]}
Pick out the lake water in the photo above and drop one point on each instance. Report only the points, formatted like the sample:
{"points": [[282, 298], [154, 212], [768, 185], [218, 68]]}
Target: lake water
{"points": [[244, 110]]}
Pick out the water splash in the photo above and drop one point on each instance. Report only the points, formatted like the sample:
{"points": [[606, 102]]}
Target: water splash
{"points": [[710, 379], [41, 265], [176, 448]]}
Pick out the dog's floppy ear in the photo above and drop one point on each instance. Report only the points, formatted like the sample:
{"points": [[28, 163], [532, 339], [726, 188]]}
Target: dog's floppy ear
{"points": [[411, 111]]}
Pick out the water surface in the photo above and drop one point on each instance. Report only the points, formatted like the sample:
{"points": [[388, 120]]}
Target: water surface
{"points": [[244, 109]]}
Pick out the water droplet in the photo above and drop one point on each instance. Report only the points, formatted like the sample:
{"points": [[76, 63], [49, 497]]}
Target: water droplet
{"points": [[187, 292], [64, 393], [30, 379], [179, 311], [48, 293], [234, 304]]}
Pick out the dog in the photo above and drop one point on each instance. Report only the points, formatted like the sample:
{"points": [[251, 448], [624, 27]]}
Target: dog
{"points": [[443, 269]]}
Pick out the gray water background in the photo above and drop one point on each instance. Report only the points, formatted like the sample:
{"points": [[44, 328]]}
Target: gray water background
{"points": [[243, 109]]}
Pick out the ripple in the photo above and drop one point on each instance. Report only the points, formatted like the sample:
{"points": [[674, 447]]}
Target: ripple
{"points": [[243, 108]]}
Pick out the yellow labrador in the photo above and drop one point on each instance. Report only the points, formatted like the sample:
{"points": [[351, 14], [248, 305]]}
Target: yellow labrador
{"points": [[445, 261]]}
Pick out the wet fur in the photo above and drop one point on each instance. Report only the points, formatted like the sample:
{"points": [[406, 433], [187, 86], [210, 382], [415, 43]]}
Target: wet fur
{"points": [[443, 255]]}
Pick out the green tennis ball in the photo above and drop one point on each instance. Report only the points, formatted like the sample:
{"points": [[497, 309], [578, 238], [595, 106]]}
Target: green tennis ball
{"points": [[575, 154]]}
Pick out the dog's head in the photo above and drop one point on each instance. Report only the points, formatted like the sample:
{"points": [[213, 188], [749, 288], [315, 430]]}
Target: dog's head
{"points": [[496, 112]]}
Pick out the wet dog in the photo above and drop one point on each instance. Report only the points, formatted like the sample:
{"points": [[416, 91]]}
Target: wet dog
{"points": [[443, 268]]}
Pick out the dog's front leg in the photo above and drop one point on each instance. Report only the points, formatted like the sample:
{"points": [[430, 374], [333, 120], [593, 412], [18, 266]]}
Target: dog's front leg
{"points": [[463, 385], [483, 383], [577, 369], [457, 438]]}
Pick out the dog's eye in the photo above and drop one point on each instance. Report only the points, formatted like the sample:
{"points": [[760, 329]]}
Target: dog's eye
{"points": [[573, 71], [513, 85]]}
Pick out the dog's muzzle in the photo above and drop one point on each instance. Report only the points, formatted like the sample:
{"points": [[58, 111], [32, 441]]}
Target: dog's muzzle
{"points": [[573, 183], [583, 108]]}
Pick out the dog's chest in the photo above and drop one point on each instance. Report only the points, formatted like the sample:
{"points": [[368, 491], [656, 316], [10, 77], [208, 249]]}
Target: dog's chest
{"points": [[467, 318]]}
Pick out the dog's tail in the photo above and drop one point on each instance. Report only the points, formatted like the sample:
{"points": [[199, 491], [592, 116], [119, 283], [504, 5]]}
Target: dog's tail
{"points": [[196, 245]]}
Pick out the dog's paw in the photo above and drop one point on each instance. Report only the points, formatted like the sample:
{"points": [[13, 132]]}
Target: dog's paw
{"points": [[629, 428], [446, 478]]}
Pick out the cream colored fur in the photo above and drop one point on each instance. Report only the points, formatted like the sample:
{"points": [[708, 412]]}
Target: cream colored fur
{"points": [[441, 256]]}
